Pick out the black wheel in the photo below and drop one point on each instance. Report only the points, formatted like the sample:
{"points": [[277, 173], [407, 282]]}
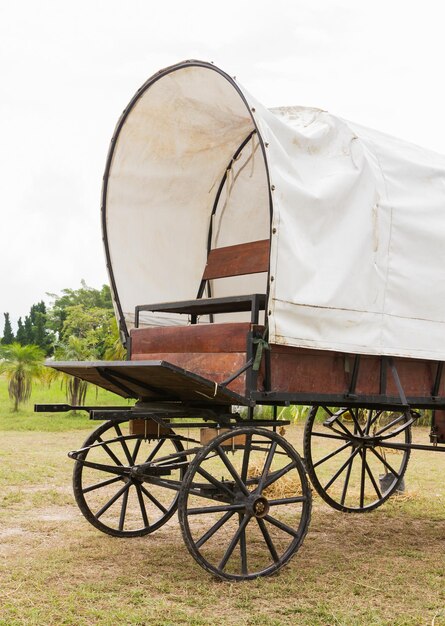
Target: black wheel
{"points": [[352, 457], [245, 504], [123, 506]]}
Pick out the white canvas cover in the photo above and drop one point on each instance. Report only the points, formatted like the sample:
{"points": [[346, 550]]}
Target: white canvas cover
{"points": [[356, 218]]}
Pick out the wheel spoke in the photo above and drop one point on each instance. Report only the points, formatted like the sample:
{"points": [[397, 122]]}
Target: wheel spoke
{"points": [[137, 445], [243, 548], [155, 450], [123, 510], [343, 427], [345, 486], [142, 505], [395, 421], [123, 444], [217, 483], [267, 465], [116, 496], [215, 509], [368, 421], [232, 471], [330, 436], [153, 499], [372, 479], [109, 452], [374, 419], [233, 542], [268, 540], [385, 462], [356, 422], [331, 454], [292, 500], [246, 457], [103, 483], [281, 525], [342, 468], [278, 474], [362, 478], [206, 536]]}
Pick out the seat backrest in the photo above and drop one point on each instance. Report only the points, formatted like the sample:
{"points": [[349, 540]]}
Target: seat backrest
{"points": [[237, 260]]}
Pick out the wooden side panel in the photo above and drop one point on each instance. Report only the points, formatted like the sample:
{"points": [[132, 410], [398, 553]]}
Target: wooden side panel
{"points": [[298, 370], [213, 366], [229, 337], [246, 258]]}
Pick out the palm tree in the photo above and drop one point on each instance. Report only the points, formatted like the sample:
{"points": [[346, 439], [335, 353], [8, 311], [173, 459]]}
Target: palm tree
{"points": [[74, 349], [21, 364]]}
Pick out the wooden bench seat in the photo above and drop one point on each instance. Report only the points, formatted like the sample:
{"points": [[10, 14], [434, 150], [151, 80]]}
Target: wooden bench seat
{"points": [[239, 260], [215, 351]]}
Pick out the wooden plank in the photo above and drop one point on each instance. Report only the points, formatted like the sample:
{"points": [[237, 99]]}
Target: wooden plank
{"points": [[229, 337], [142, 378], [238, 260], [301, 370]]}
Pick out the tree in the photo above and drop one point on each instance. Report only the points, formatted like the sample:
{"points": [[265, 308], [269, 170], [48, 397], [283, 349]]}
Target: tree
{"points": [[21, 333], [86, 297], [75, 349], [8, 335], [27, 331], [21, 364]]}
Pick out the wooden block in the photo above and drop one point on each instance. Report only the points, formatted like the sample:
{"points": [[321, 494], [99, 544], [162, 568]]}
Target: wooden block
{"points": [[207, 434], [146, 428]]}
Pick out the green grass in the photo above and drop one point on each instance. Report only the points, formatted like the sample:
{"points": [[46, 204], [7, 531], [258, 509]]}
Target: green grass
{"points": [[26, 419]]}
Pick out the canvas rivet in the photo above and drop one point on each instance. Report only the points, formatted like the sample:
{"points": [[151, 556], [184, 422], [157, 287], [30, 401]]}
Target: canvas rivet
{"points": [[274, 230], [266, 144], [269, 312], [253, 109], [272, 279], [272, 187]]}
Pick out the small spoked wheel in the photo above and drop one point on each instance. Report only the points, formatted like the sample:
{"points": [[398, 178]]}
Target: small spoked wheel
{"points": [[245, 504], [123, 505], [355, 457]]}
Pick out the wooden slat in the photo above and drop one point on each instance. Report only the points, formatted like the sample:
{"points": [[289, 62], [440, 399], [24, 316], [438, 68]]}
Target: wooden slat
{"points": [[245, 258], [228, 337]]}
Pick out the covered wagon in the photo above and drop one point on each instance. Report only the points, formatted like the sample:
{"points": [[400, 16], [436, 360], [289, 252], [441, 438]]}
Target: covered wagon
{"points": [[260, 257]]}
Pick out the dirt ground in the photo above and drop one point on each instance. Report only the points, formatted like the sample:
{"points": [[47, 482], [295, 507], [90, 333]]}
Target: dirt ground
{"points": [[384, 567]]}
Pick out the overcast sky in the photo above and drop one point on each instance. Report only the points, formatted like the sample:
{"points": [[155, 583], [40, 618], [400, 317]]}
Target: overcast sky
{"points": [[68, 69]]}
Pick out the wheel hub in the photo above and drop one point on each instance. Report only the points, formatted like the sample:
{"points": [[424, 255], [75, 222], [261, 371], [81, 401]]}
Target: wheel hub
{"points": [[258, 506]]}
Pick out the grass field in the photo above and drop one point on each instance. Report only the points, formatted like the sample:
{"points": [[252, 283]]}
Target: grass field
{"points": [[26, 419], [385, 567]]}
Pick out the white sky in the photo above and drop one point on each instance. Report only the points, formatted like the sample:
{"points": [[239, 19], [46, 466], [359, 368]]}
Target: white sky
{"points": [[68, 69]]}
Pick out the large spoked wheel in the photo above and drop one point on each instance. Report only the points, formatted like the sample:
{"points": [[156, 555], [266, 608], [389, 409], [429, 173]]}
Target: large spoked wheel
{"points": [[352, 455], [123, 506], [245, 504]]}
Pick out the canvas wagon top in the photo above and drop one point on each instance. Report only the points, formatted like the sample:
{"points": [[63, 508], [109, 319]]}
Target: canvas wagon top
{"points": [[355, 219]]}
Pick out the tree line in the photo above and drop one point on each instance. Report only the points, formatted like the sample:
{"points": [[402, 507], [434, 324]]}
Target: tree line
{"points": [[79, 325], [85, 314]]}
